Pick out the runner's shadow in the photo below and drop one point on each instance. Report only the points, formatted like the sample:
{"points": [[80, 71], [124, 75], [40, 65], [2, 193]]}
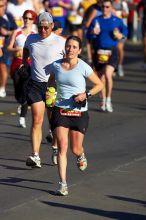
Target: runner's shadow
{"points": [[19, 168], [19, 180], [122, 198], [12, 167], [99, 212], [13, 184]]}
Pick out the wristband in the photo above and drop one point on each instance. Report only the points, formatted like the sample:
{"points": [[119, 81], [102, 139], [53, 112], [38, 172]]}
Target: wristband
{"points": [[88, 94]]}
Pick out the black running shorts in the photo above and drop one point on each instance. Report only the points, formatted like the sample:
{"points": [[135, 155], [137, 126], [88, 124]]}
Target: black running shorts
{"points": [[36, 91], [73, 123], [113, 60]]}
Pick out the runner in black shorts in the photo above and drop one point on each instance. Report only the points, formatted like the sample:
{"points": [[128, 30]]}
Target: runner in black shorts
{"points": [[109, 30], [36, 91]]}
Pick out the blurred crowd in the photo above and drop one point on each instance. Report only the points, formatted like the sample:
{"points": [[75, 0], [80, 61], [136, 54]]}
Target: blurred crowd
{"points": [[74, 16]]}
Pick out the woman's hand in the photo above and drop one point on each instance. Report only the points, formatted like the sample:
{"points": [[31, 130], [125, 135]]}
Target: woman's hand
{"points": [[80, 97]]}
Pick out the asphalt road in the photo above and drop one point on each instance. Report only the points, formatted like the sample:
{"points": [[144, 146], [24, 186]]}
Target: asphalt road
{"points": [[114, 185]]}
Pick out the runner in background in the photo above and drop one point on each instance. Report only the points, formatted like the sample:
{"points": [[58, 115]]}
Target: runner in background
{"points": [[92, 12], [7, 26], [109, 29], [59, 10], [75, 17], [86, 7], [121, 10], [15, 46]]}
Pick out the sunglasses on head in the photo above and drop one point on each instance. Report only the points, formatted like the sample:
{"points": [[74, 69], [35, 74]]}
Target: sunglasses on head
{"points": [[27, 18], [43, 27]]}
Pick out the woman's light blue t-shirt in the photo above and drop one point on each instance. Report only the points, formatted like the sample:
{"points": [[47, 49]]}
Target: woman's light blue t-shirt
{"points": [[70, 82]]}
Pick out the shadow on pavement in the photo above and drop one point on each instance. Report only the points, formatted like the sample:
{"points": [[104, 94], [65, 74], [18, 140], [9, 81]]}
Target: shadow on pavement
{"points": [[128, 199], [99, 212]]}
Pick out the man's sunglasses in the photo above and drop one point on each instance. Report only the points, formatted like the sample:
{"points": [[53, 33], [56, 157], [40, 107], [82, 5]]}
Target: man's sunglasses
{"points": [[43, 27]]}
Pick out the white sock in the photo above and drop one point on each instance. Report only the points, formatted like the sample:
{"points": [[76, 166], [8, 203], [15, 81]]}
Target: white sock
{"points": [[108, 99], [36, 154], [63, 183]]}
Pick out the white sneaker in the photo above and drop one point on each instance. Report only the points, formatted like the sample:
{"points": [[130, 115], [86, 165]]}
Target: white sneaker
{"points": [[101, 106], [22, 122], [109, 107], [120, 71], [62, 189], [82, 162], [33, 161], [2, 92]]}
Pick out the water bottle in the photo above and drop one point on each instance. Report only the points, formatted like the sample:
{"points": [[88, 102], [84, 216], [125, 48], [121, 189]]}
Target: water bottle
{"points": [[116, 31], [51, 92], [97, 27]]}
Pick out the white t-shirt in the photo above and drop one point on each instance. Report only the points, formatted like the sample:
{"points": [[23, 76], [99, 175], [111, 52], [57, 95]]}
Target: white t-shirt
{"points": [[42, 53]]}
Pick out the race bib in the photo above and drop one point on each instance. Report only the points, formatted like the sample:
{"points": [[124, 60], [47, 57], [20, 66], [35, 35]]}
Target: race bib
{"points": [[67, 112], [103, 56], [71, 18], [57, 11]]}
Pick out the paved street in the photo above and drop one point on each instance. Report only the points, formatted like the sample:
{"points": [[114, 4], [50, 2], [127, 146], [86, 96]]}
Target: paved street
{"points": [[114, 185]]}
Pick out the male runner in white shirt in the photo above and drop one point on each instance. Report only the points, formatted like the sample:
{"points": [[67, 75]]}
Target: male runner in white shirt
{"points": [[43, 48]]}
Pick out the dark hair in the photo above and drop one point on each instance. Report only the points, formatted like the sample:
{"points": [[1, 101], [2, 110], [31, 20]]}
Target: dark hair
{"points": [[34, 15], [107, 1], [72, 37]]}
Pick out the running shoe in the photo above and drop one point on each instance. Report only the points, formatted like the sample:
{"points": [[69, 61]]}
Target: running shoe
{"points": [[101, 106], [82, 162], [33, 161], [2, 92], [109, 107], [62, 189], [54, 155], [49, 137], [22, 122], [120, 71]]}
